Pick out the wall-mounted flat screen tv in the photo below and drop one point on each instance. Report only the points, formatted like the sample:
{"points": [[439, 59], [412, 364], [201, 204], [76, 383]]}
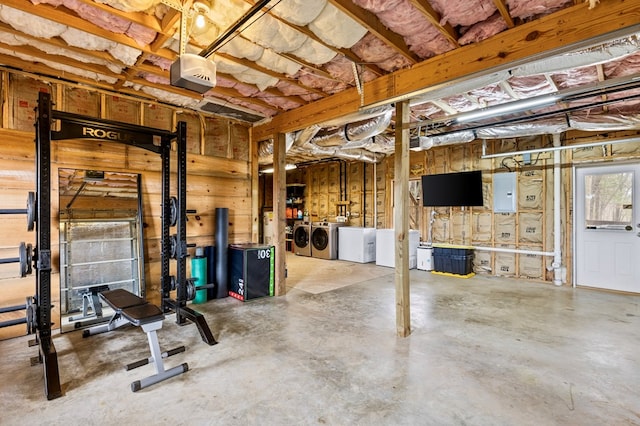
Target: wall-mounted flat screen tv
{"points": [[452, 189]]}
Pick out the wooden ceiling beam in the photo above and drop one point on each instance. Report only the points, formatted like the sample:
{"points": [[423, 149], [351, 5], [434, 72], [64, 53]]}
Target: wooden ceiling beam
{"points": [[504, 12], [377, 28], [547, 35], [434, 18]]}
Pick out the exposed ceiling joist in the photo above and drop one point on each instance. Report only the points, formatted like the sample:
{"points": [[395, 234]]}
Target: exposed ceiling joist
{"points": [[373, 24], [573, 27], [434, 17], [504, 12]]}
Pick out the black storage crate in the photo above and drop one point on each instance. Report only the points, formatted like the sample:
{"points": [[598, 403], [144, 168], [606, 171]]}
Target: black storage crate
{"points": [[462, 265], [453, 260]]}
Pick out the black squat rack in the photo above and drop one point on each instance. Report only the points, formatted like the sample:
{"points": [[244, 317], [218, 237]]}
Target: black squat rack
{"points": [[74, 126]]}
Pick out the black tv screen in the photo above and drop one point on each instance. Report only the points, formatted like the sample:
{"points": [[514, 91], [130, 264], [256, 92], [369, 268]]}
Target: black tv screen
{"points": [[452, 189]]}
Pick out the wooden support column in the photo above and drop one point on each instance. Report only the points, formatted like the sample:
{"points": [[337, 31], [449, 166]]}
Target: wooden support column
{"points": [[255, 195], [401, 219], [279, 212]]}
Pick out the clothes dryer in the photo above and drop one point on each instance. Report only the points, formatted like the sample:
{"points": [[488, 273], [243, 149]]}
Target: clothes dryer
{"points": [[324, 240], [302, 238]]}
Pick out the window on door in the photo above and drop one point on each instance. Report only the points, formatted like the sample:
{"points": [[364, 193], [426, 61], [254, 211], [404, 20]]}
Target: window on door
{"points": [[608, 200]]}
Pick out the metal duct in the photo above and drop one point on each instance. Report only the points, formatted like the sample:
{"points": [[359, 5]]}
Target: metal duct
{"points": [[354, 131], [265, 149], [354, 137]]}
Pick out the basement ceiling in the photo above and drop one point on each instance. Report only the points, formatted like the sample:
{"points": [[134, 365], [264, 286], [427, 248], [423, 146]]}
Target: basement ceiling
{"points": [[286, 55]]}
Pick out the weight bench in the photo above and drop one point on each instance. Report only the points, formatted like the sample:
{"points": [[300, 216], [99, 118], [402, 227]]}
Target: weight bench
{"points": [[131, 309]]}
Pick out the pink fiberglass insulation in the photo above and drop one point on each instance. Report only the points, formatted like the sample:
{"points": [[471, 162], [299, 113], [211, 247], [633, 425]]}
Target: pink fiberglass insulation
{"points": [[290, 89], [534, 85], [426, 111], [491, 95], [378, 6], [341, 69], [422, 38], [626, 66], [460, 103], [483, 30], [153, 78], [524, 9], [373, 50], [463, 12], [111, 22], [575, 77], [279, 102], [315, 81], [163, 63], [268, 112], [98, 17], [246, 89]]}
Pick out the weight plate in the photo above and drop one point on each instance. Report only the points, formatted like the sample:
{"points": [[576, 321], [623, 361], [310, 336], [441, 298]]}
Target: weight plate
{"points": [[174, 211], [173, 244], [191, 289], [25, 259], [31, 315], [31, 211]]}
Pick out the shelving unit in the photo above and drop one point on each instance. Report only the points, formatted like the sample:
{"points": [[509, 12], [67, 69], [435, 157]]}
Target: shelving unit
{"points": [[295, 204]]}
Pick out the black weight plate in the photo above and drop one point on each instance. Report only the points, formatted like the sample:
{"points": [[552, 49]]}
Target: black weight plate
{"points": [[31, 211]]}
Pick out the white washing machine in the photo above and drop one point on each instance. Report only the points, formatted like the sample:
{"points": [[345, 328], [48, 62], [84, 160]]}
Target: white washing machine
{"points": [[302, 238], [324, 240]]}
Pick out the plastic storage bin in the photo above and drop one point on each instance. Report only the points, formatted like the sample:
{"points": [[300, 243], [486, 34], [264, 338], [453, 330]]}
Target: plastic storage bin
{"points": [[456, 260]]}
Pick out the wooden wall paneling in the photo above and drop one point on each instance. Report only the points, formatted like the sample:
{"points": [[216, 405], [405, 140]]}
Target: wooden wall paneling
{"points": [[4, 96]]}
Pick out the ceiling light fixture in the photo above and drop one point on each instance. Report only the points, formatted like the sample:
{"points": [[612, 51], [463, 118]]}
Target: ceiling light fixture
{"points": [[201, 12], [287, 167]]}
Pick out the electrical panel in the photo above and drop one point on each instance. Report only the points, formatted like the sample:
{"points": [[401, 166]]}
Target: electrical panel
{"points": [[504, 192]]}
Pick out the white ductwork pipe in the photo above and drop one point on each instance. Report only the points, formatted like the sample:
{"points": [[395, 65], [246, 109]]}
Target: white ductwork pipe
{"points": [[557, 224]]}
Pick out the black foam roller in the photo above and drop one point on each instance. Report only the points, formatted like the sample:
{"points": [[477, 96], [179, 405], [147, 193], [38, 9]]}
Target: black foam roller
{"points": [[221, 252], [210, 254]]}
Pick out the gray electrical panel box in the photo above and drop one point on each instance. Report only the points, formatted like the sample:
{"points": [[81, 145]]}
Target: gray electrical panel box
{"points": [[504, 192]]}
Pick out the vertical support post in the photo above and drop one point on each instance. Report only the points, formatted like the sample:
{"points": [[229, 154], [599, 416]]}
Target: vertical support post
{"points": [[47, 355], [279, 212], [401, 219], [255, 195]]}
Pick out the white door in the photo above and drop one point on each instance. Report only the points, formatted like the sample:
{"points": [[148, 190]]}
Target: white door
{"points": [[607, 226]]}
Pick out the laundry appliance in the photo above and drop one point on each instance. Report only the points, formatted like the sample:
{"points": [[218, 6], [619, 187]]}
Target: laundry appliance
{"points": [[302, 238], [324, 240]]}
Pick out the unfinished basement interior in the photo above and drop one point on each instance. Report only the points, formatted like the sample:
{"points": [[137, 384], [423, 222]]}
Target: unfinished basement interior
{"points": [[344, 212]]}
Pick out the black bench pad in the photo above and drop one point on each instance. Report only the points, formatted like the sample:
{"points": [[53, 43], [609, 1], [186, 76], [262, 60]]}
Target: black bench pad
{"points": [[143, 314], [133, 308], [120, 299]]}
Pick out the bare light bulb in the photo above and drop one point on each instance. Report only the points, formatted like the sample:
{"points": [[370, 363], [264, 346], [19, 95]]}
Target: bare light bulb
{"points": [[200, 21]]}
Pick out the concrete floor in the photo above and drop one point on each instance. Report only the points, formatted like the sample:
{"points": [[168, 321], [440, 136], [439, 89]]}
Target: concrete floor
{"points": [[484, 351]]}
